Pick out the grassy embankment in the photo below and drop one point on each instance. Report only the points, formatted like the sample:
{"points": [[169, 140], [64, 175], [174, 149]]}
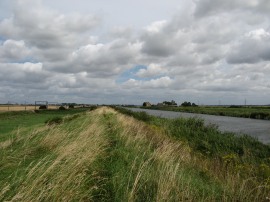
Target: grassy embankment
{"points": [[104, 155], [18, 120], [234, 111]]}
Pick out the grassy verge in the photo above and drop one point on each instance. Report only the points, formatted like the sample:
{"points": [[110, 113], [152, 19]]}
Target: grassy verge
{"points": [[52, 162], [243, 155], [104, 155]]}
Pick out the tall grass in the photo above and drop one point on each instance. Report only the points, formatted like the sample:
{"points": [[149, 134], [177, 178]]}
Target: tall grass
{"points": [[234, 161], [54, 163], [105, 155]]}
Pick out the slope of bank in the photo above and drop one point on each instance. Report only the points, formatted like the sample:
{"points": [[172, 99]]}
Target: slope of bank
{"points": [[259, 129], [104, 155]]}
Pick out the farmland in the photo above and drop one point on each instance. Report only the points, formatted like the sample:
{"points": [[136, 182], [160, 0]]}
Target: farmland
{"points": [[17, 120], [4, 108], [118, 155]]}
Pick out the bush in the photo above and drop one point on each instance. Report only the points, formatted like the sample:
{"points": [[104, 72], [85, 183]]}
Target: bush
{"points": [[62, 108], [43, 107], [54, 120], [186, 104], [235, 106], [70, 118], [71, 106], [259, 115]]}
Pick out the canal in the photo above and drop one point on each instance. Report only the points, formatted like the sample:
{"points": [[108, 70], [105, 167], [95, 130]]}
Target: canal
{"points": [[259, 129]]}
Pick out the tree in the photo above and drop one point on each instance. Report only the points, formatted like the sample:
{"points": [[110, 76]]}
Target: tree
{"points": [[147, 104], [194, 105], [186, 104], [43, 107]]}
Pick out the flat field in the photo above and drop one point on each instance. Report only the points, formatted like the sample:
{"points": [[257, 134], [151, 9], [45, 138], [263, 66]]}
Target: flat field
{"points": [[4, 108], [17, 120]]}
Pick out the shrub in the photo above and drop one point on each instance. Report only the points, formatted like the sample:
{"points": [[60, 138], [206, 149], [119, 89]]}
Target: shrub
{"points": [[71, 106], [186, 104], [62, 108], [43, 107], [259, 115], [70, 118], [235, 106], [54, 120]]}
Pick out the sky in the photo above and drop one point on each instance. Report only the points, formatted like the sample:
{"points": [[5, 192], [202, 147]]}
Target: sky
{"points": [[127, 52]]}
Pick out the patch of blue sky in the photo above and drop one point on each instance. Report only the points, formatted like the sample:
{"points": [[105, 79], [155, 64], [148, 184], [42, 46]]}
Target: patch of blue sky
{"points": [[2, 40], [29, 59], [131, 74], [5, 9]]}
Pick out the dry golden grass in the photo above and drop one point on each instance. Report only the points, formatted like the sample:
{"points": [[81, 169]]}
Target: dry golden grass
{"points": [[164, 160], [5, 144], [171, 159], [139, 133], [63, 177], [4, 108]]}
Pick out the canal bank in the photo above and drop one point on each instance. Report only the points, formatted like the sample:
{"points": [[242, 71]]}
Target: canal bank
{"points": [[259, 129]]}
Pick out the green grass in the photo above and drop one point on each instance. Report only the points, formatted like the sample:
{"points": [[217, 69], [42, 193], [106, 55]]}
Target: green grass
{"points": [[104, 155], [244, 151], [205, 139], [10, 121]]}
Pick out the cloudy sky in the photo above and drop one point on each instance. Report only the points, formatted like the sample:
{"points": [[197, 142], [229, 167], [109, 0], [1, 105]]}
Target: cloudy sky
{"points": [[128, 52]]}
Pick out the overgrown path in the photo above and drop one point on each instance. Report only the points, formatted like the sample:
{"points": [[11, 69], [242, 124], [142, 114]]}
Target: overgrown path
{"points": [[104, 155], [256, 128]]}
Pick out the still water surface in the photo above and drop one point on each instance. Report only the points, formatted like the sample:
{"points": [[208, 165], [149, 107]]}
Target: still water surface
{"points": [[253, 127]]}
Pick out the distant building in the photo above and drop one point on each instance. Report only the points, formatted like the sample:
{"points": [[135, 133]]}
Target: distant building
{"points": [[147, 104]]}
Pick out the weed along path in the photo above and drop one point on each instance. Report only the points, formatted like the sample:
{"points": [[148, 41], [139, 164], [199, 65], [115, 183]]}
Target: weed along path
{"points": [[256, 128]]}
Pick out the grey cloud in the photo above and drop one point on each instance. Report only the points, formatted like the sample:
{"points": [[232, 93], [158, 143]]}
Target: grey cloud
{"points": [[207, 49], [17, 74], [252, 48], [158, 40], [8, 29], [159, 83], [12, 50], [216, 30], [158, 45], [121, 32], [44, 28], [152, 70], [213, 7], [104, 59]]}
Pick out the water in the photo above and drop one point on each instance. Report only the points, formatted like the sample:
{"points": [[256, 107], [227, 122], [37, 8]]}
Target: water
{"points": [[259, 129]]}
